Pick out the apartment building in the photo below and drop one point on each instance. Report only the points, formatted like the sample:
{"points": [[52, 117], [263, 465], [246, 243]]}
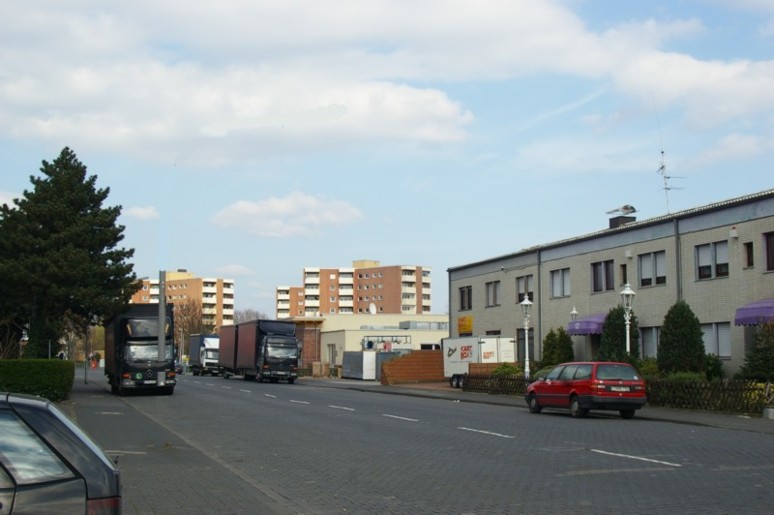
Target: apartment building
{"points": [[719, 258], [215, 295], [365, 287]]}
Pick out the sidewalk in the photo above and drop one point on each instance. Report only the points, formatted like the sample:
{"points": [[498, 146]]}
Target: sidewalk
{"points": [[442, 390]]}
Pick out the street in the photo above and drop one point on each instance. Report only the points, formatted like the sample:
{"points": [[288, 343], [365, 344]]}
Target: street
{"points": [[231, 446]]}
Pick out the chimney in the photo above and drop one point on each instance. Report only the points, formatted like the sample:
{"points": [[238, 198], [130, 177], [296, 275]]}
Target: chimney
{"points": [[618, 221]]}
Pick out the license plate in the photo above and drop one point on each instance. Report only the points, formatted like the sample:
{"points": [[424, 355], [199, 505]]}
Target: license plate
{"points": [[619, 388], [152, 381]]}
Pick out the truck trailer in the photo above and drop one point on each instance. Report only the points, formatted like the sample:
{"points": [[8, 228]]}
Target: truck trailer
{"points": [[203, 350], [260, 350], [459, 353], [132, 351]]}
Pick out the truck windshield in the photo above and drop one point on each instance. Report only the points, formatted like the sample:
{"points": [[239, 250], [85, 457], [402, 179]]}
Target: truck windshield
{"points": [[211, 353], [145, 352], [282, 351]]}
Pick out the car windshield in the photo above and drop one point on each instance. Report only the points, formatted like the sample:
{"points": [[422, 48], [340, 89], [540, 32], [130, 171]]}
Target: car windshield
{"points": [[611, 371], [211, 353]]}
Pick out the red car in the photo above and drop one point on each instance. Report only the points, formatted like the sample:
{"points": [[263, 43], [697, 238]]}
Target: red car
{"points": [[583, 386]]}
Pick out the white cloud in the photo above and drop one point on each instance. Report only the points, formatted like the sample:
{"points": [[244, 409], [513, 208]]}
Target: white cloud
{"points": [[736, 147], [297, 214], [142, 213]]}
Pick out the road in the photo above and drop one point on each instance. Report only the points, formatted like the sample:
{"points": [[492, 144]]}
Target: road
{"points": [[230, 446]]}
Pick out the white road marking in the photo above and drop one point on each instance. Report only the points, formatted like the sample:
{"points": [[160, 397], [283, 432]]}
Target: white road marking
{"points": [[636, 458], [270, 395], [400, 418], [299, 402], [110, 413], [341, 407], [246, 391], [226, 387], [122, 453], [485, 432]]}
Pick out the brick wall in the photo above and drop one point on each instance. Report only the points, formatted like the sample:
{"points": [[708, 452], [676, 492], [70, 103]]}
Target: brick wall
{"points": [[424, 366]]}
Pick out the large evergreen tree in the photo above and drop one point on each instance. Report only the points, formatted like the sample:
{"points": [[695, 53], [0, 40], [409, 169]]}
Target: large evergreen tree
{"points": [[59, 257], [681, 342], [612, 345]]}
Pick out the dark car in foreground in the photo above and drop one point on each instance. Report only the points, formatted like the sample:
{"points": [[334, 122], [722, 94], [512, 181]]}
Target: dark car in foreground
{"points": [[50, 465], [589, 385]]}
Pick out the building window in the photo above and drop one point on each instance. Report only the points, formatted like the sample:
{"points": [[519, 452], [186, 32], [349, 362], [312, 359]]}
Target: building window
{"points": [[717, 339], [768, 240], [624, 275], [652, 268], [712, 260], [492, 293], [649, 341], [524, 288], [749, 259], [560, 283], [602, 276], [466, 298]]}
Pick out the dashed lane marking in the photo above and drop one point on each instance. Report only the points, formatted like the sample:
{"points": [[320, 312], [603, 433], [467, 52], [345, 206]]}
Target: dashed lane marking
{"points": [[400, 418], [485, 432], [640, 458]]}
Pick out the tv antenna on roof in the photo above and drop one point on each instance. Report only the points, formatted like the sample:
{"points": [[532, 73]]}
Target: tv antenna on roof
{"points": [[667, 187]]}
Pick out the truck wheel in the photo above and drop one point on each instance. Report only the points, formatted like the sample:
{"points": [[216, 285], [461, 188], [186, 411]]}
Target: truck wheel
{"points": [[113, 389]]}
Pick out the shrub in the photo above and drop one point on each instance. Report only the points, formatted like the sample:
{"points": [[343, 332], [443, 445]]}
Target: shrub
{"points": [[612, 345], [759, 362], [714, 367], [506, 370], [557, 348], [648, 368], [49, 378], [681, 343]]}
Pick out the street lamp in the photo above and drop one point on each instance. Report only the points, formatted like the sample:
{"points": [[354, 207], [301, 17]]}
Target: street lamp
{"points": [[627, 298], [526, 306], [574, 314]]}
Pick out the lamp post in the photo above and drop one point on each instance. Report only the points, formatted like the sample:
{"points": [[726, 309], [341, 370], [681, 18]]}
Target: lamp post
{"points": [[627, 298], [526, 306], [574, 314]]}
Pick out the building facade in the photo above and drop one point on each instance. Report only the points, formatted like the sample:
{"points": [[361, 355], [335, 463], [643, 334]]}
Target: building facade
{"points": [[326, 338], [718, 258], [215, 295], [366, 287]]}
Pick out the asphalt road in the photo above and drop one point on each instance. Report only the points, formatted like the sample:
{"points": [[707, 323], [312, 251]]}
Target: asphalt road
{"points": [[230, 446]]}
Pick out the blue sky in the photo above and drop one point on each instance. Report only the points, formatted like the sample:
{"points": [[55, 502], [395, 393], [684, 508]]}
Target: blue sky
{"points": [[247, 139]]}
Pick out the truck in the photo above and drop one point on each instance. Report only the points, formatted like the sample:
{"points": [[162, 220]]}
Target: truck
{"points": [[203, 350], [260, 349], [132, 351], [460, 352]]}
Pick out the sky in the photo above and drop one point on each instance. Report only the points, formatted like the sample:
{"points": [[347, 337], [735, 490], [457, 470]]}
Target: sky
{"points": [[248, 139]]}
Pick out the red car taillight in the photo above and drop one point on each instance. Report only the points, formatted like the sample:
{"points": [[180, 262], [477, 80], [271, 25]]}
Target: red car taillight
{"points": [[105, 506]]}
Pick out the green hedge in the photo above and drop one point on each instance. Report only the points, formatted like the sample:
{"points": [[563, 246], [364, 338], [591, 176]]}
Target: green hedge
{"points": [[49, 378]]}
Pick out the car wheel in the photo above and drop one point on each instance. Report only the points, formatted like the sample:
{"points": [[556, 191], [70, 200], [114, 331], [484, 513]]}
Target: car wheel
{"points": [[575, 408], [534, 407], [291, 380], [627, 413]]}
